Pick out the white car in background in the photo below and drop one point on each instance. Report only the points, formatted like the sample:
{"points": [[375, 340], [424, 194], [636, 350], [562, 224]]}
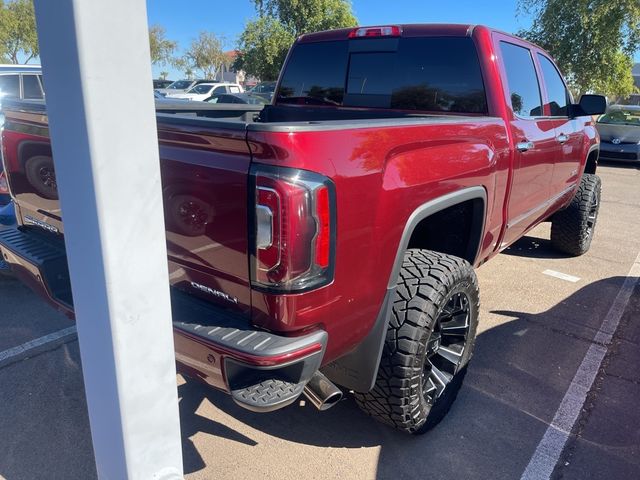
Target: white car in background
{"points": [[205, 90]]}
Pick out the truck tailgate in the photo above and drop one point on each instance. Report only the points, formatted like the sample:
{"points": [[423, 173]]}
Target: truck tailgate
{"points": [[204, 181]]}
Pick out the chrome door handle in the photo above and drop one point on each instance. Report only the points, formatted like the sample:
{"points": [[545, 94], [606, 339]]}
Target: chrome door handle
{"points": [[524, 146], [562, 138]]}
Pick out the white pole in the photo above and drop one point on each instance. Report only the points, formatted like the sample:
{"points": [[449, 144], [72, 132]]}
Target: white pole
{"points": [[97, 77]]}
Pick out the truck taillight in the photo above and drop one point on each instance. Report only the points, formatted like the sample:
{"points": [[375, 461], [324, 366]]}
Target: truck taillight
{"points": [[294, 229]]}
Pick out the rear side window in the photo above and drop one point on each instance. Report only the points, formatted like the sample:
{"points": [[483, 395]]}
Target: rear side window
{"points": [[439, 74], [523, 84], [9, 86], [31, 87], [556, 90]]}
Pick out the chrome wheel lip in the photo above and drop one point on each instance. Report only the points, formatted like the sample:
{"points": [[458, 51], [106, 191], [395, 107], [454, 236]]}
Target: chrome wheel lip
{"points": [[446, 345]]}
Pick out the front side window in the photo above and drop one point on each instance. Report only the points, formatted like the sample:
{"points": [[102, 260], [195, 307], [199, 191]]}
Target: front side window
{"points": [[556, 90], [524, 90], [9, 86]]}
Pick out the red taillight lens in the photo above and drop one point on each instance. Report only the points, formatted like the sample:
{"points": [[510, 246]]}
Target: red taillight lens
{"points": [[294, 229], [386, 31], [4, 186]]}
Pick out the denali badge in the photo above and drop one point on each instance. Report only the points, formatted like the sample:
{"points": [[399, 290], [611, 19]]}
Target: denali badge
{"points": [[40, 223], [615, 141], [212, 291]]}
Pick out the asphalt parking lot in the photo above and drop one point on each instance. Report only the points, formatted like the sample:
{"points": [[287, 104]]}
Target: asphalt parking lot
{"points": [[542, 315]]}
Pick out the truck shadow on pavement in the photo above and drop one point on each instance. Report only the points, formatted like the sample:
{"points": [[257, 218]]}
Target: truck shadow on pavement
{"points": [[518, 376], [533, 247]]}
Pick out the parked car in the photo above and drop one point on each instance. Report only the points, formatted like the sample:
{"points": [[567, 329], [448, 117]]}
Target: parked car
{"points": [[619, 132], [327, 241], [205, 90], [160, 83], [264, 89], [244, 98], [181, 86], [21, 81]]}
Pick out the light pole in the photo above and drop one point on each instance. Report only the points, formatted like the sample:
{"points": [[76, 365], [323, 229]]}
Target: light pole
{"points": [[105, 150]]}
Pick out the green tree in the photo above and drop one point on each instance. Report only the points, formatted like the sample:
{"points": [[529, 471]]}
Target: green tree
{"points": [[164, 75], [264, 43], [263, 47], [206, 54], [18, 33], [162, 49], [593, 41]]}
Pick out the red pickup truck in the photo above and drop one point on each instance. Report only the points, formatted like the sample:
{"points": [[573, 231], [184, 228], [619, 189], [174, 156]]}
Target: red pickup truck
{"points": [[331, 237]]}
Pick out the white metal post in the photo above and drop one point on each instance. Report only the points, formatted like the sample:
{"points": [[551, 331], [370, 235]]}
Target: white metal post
{"points": [[97, 75]]}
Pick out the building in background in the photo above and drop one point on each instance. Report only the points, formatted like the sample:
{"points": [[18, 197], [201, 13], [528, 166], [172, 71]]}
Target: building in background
{"points": [[635, 98]]}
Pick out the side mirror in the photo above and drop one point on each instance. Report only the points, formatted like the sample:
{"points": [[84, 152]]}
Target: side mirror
{"points": [[590, 105]]}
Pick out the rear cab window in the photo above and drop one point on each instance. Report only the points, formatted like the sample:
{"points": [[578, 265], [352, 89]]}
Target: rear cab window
{"points": [[436, 74], [31, 87]]}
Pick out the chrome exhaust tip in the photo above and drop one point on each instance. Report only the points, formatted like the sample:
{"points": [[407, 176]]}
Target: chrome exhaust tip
{"points": [[322, 392]]}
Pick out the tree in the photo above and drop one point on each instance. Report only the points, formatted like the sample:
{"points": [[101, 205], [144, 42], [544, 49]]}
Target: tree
{"points": [[593, 41], [206, 54], [164, 75], [264, 42], [18, 30], [162, 50], [304, 16], [263, 47]]}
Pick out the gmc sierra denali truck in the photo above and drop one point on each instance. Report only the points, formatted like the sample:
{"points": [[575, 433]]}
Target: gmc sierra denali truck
{"points": [[330, 238]]}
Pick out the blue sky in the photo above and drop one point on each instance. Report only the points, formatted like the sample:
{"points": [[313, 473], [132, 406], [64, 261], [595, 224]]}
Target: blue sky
{"points": [[183, 20]]}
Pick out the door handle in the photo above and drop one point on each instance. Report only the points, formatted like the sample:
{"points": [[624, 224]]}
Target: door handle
{"points": [[524, 146], [562, 138]]}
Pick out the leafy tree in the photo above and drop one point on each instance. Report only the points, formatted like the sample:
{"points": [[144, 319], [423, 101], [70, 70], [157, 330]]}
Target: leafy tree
{"points": [[593, 41], [162, 50], [164, 75], [263, 47], [206, 54], [304, 16], [18, 33], [264, 43]]}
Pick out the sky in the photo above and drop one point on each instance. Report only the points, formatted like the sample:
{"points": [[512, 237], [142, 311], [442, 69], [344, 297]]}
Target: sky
{"points": [[183, 21]]}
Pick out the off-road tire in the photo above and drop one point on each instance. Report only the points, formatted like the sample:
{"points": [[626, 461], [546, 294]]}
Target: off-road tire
{"points": [[572, 229], [427, 282]]}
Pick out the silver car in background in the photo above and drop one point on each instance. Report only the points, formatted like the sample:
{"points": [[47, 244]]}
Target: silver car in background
{"points": [[619, 131]]}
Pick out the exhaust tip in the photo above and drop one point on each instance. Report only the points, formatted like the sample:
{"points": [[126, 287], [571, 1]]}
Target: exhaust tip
{"points": [[321, 392]]}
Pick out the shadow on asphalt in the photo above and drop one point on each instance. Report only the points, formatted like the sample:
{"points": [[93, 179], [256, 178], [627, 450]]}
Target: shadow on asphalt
{"points": [[519, 374], [533, 247]]}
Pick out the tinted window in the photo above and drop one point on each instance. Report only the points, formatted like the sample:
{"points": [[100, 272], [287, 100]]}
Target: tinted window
{"points": [[556, 90], [220, 90], [432, 74], [522, 80], [31, 86], [9, 86]]}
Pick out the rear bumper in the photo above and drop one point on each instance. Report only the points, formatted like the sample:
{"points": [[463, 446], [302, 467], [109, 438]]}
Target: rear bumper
{"points": [[260, 370]]}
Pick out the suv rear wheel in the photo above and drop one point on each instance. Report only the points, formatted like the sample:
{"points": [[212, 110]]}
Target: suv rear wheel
{"points": [[429, 342]]}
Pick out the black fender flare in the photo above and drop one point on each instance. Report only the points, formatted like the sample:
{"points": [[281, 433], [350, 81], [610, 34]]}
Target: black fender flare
{"points": [[358, 369]]}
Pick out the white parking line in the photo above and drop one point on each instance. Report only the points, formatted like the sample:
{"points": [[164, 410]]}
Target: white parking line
{"points": [[548, 452], [38, 344], [561, 276]]}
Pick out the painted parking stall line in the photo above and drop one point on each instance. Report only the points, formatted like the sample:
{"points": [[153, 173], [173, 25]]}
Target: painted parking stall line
{"points": [[562, 276], [548, 451], [37, 345]]}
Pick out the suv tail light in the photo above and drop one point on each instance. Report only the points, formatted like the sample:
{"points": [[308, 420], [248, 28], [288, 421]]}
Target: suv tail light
{"points": [[4, 186], [294, 229]]}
